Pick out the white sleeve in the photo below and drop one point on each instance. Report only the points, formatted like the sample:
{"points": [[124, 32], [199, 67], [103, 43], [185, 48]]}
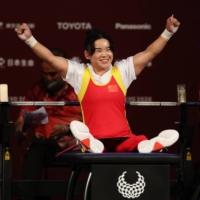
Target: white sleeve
{"points": [[74, 75], [126, 67]]}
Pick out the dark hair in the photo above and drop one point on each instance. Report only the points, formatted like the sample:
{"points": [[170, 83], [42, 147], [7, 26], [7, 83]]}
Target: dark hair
{"points": [[58, 52], [93, 35]]}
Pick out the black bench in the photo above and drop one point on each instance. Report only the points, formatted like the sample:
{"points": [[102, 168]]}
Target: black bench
{"points": [[122, 175]]}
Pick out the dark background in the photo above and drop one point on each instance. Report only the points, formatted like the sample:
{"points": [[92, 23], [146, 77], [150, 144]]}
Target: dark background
{"points": [[178, 63]]}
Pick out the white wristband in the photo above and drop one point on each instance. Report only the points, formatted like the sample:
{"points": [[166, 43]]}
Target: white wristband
{"points": [[31, 41], [166, 34]]}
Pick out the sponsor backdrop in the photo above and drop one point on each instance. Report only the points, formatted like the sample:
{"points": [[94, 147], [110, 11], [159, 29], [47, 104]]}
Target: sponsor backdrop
{"points": [[133, 24]]}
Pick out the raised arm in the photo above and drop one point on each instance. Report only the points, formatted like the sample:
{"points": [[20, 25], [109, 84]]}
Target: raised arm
{"points": [[141, 59], [59, 63]]}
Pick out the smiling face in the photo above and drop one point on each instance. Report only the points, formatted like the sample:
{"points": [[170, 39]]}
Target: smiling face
{"points": [[102, 57]]}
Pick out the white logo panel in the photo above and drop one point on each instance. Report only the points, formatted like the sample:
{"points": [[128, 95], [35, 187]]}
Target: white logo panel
{"points": [[131, 191]]}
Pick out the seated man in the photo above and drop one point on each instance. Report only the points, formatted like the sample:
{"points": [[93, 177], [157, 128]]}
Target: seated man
{"points": [[54, 136]]}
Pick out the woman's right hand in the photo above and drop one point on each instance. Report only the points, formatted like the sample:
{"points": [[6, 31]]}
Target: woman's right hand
{"points": [[23, 32]]}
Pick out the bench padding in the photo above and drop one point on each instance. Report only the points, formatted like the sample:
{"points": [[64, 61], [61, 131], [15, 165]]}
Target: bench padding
{"points": [[119, 158]]}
